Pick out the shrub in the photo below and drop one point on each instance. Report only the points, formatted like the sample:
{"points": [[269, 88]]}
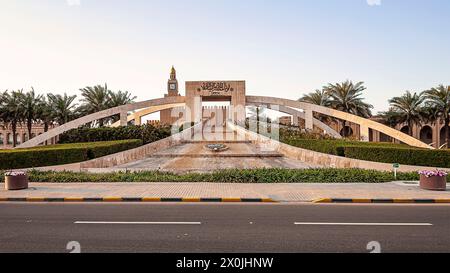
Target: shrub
{"points": [[62, 154], [147, 133], [334, 147], [407, 156], [231, 176], [372, 151]]}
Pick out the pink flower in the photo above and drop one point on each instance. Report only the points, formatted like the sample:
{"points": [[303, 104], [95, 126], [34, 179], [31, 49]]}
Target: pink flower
{"points": [[15, 173], [433, 173]]}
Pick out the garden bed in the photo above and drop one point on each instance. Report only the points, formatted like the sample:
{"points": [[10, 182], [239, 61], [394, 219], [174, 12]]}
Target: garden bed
{"points": [[231, 176]]}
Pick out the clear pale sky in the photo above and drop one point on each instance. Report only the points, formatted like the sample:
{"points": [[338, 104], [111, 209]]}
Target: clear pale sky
{"points": [[281, 48]]}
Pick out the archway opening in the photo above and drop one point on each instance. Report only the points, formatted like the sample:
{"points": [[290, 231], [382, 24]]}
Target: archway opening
{"points": [[405, 130], [385, 138], [346, 131], [443, 138], [426, 134], [216, 112]]}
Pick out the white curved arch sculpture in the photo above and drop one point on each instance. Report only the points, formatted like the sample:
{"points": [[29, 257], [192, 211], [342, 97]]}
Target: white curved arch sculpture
{"points": [[364, 124], [171, 102], [122, 110], [148, 111], [294, 112], [283, 109]]}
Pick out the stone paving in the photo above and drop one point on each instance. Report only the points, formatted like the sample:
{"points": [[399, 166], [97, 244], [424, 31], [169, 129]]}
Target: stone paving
{"points": [[282, 192], [193, 157]]}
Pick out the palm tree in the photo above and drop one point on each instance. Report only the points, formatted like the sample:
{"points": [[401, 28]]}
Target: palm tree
{"points": [[30, 104], [346, 97], [2, 106], [321, 98], [390, 118], [12, 111], [257, 114], [119, 98], [95, 99], [46, 114], [318, 97], [410, 109], [439, 99], [62, 107]]}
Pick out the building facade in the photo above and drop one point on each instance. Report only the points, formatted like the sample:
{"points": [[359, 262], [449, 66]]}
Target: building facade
{"points": [[6, 134]]}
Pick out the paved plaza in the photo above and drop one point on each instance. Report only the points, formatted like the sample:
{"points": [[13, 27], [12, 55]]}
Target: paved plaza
{"points": [[281, 192]]}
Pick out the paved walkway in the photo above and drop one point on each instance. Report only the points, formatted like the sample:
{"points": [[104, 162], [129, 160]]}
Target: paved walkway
{"points": [[278, 192]]}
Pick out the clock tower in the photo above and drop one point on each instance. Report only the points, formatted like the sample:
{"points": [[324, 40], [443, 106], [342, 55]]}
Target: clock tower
{"points": [[172, 84], [172, 91]]}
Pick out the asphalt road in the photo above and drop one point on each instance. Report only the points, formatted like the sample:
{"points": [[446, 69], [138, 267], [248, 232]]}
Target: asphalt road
{"points": [[166, 228]]}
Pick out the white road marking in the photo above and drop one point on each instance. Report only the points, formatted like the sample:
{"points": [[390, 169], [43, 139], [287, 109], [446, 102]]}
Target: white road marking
{"points": [[362, 224], [135, 223]]}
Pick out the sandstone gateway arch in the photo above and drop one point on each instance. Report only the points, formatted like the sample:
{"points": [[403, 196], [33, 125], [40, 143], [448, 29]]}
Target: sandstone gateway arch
{"points": [[233, 92]]}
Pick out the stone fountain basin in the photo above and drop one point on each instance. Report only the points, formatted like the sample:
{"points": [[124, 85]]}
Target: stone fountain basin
{"points": [[216, 147]]}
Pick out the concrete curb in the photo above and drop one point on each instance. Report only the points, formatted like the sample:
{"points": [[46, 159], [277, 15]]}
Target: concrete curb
{"points": [[381, 201], [137, 199]]}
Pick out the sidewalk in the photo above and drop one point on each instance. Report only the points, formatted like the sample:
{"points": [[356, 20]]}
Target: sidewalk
{"points": [[303, 192]]}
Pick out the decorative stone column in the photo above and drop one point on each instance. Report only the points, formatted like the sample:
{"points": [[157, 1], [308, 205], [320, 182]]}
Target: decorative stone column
{"points": [[123, 118], [364, 133], [309, 124], [138, 120]]}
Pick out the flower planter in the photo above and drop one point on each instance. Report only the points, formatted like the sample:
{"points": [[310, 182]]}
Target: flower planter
{"points": [[16, 182], [434, 183]]}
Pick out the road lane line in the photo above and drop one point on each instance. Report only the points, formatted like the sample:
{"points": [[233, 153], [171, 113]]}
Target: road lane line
{"points": [[134, 223], [361, 224]]}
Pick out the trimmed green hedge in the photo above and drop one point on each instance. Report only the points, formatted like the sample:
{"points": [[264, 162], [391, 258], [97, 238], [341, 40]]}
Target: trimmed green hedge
{"points": [[335, 147], [377, 152], [231, 176], [147, 133], [62, 153], [407, 156]]}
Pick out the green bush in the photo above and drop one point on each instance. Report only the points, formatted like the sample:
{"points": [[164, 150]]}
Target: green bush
{"points": [[231, 176], [334, 146], [407, 156], [377, 152], [147, 133], [62, 153]]}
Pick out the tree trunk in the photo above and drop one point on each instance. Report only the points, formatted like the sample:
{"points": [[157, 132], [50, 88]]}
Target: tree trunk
{"points": [[344, 128], [257, 120], [29, 126], [447, 132], [45, 131], [14, 130], [410, 129]]}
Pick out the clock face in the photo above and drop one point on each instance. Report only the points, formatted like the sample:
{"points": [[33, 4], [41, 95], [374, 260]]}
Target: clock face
{"points": [[172, 86]]}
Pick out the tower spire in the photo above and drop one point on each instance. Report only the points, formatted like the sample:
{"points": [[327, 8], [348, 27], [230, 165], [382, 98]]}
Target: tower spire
{"points": [[173, 73]]}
